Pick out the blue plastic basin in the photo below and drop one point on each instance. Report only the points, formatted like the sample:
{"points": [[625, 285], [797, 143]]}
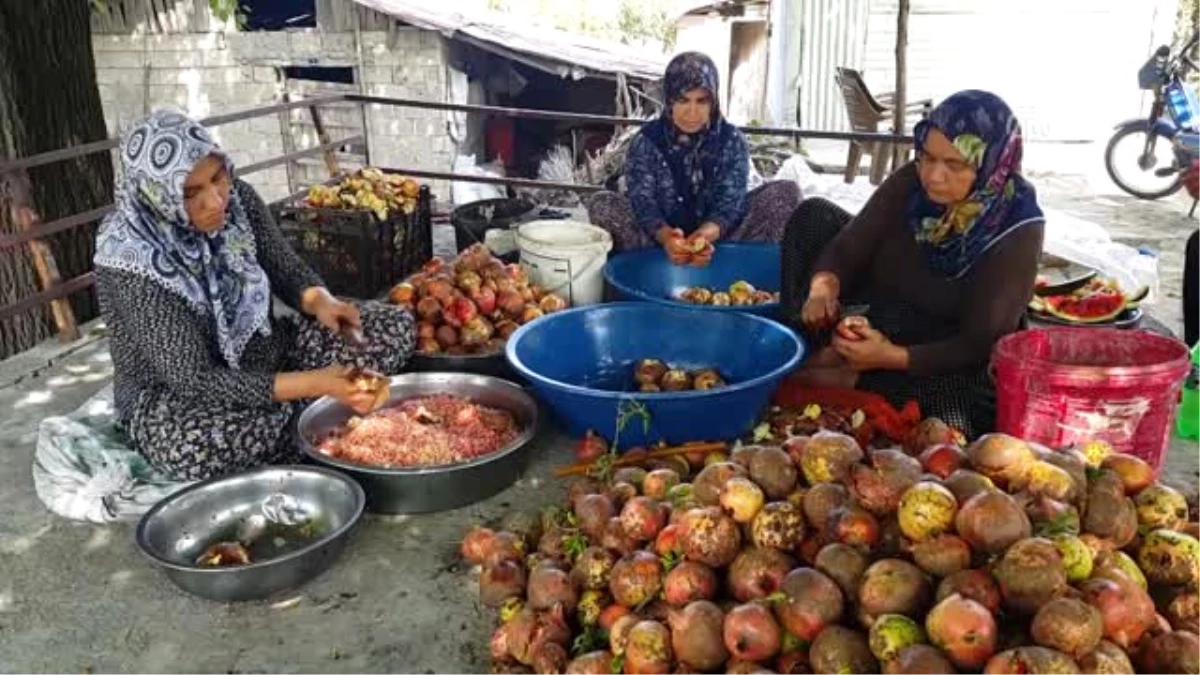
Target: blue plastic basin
{"points": [[647, 275], [580, 363]]}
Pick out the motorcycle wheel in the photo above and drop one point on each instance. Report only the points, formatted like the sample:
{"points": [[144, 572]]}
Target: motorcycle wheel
{"points": [[1137, 137]]}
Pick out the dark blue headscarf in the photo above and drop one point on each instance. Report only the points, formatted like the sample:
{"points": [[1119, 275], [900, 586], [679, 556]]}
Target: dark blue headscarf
{"points": [[692, 158], [985, 131]]}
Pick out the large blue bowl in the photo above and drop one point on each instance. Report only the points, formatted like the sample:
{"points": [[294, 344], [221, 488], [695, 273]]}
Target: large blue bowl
{"points": [[580, 362], [647, 275]]}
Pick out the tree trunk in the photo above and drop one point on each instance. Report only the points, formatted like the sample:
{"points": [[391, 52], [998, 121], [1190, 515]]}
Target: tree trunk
{"points": [[899, 114], [49, 100]]}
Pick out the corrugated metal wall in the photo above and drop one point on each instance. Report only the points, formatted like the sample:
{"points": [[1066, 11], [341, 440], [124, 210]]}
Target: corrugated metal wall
{"points": [[830, 33]]}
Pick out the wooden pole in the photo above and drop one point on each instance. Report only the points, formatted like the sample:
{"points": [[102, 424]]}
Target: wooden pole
{"points": [[899, 150]]}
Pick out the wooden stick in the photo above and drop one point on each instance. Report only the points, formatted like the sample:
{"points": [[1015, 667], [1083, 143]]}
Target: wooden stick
{"points": [[582, 468]]}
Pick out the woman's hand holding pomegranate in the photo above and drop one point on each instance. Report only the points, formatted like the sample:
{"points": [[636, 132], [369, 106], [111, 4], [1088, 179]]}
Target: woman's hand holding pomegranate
{"points": [[865, 348]]}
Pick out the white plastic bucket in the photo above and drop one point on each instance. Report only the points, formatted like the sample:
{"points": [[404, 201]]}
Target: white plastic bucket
{"points": [[565, 257]]}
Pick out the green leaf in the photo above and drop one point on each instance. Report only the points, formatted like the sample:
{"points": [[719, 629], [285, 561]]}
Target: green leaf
{"points": [[591, 639], [762, 432], [671, 560], [618, 663]]}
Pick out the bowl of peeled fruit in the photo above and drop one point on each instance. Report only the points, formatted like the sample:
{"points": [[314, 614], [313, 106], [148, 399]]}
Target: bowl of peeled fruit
{"points": [[742, 277]]}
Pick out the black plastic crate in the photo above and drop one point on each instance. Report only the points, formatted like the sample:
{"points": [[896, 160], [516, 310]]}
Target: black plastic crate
{"points": [[358, 255]]}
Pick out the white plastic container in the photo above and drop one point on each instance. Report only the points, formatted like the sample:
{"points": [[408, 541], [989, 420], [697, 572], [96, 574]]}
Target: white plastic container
{"points": [[565, 257]]}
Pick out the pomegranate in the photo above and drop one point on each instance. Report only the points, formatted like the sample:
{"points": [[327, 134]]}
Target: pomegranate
{"points": [[1118, 566], [741, 498], [1031, 660], [1030, 574], [591, 605], [618, 635], [697, 636], [580, 487], [965, 484], [477, 544], [643, 518], [1135, 474], [610, 614], [975, 585], [918, 659], [710, 537], [774, 471], [593, 511], [688, 582], [593, 568], [1160, 508], [592, 663], [792, 662], [840, 650], [648, 648], [942, 555], [811, 602], [506, 327], [636, 579], [893, 586], [926, 511], [498, 645], [878, 487], [1183, 611], [943, 459], [964, 629], [844, 564], [794, 447], [1127, 611], [741, 455], [529, 630], [620, 492], [485, 300], [1000, 457], [706, 486], [1068, 625], [751, 633], [658, 482], [757, 573], [531, 313], [1106, 659], [891, 633], [778, 525], [821, 500], [852, 525], [591, 447], [1172, 652], [1171, 558], [551, 303], [446, 335], [549, 586], [991, 522], [550, 658], [501, 580], [828, 456], [931, 431], [615, 539], [476, 331], [667, 542]]}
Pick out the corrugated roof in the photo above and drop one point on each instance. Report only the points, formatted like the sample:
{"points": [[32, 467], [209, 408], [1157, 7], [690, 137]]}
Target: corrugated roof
{"points": [[567, 54]]}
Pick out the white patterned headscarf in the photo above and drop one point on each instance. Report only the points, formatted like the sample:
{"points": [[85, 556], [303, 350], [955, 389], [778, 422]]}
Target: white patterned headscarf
{"points": [[149, 233]]}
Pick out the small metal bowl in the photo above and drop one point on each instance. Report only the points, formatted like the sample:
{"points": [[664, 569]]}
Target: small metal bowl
{"points": [[431, 488], [177, 530]]}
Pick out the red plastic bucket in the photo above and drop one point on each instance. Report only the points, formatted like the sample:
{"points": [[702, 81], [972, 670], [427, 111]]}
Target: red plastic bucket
{"points": [[1063, 386]]}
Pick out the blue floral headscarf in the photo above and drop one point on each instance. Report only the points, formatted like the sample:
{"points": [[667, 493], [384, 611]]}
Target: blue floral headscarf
{"points": [[149, 233], [692, 158], [987, 134]]}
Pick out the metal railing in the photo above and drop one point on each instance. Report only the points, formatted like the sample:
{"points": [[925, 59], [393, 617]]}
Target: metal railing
{"points": [[63, 288]]}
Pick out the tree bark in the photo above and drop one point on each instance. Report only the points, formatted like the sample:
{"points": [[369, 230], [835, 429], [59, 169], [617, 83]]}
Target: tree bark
{"points": [[49, 100], [899, 114]]}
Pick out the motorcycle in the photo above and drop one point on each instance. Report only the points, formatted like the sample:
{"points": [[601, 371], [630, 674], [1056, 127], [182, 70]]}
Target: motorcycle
{"points": [[1174, 111]]}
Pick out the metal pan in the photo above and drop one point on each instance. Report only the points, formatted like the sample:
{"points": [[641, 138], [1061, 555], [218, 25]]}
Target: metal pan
{"points": [[434, 488]]}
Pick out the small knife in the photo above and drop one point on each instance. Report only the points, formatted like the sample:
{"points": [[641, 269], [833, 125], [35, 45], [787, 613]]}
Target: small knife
{"points": [[1064, 287], [855, 310]]}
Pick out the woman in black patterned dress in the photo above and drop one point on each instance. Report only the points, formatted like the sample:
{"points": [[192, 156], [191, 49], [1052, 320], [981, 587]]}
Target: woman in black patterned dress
{"points": [[208, 381]]}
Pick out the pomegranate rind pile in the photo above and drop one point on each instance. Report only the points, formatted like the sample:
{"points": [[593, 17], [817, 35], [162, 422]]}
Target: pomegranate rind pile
{"points": [[472, 304], [819, 556]]}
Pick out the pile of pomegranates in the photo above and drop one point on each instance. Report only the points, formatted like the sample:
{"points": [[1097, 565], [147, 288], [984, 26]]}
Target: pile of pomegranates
{"points": [[739, 294], [472, 304], [820, 556], [654, 375]]}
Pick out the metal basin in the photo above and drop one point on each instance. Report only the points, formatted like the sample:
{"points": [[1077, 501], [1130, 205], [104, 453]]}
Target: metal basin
{"points": [[433, 488], [175, 532]]}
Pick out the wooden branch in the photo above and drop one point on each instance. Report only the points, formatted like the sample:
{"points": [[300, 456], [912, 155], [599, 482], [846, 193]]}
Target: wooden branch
{"points": [[581, 468]]}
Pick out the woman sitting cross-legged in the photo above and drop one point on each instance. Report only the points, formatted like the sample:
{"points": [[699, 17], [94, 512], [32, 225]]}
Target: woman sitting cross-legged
{"points": [[943, 258], [687, 173], [207, 380]]}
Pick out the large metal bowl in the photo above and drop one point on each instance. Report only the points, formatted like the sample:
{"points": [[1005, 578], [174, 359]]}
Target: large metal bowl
{"points": [[433, 488], [178, 529]]}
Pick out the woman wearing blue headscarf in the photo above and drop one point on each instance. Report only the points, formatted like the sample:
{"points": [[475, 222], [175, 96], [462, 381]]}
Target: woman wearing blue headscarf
{"points": [[944, 256], [687, 172], [207, 380]]}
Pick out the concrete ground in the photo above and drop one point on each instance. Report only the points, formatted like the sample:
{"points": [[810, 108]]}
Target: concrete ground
{"points": [[80, 598]]}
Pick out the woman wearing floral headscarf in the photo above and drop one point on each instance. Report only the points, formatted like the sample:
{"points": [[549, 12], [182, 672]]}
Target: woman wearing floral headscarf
{"points": [[687, 173], [207, 380], [945, 255]]}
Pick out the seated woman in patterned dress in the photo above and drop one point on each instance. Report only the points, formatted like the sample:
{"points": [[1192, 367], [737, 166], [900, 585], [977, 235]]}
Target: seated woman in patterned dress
{"points": [[207, 379], [686, 173], [945, 254]]}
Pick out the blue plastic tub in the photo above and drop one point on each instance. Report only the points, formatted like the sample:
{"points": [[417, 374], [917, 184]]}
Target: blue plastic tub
{"points": [[580, 362], [647, 275]]}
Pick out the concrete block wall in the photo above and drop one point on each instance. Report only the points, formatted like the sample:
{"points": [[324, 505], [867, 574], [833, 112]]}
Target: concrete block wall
{"points": [[212, 73]]}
